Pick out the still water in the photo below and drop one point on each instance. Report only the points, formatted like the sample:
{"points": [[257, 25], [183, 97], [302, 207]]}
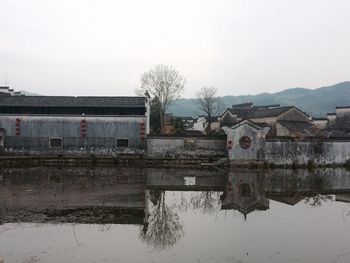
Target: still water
{"points": [[158, 215]]}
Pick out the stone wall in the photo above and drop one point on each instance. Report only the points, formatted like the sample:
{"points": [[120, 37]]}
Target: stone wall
{"points": [[186, 147], [247, 144]]}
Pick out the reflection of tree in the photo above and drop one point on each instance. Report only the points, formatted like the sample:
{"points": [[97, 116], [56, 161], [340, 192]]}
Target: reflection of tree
{"points": [[183, 203], [104, 227], [164, 228], [206, 202], [318, 199]]}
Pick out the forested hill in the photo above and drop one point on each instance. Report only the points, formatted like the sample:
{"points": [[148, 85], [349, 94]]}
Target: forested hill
{"points": [[316, 102]]}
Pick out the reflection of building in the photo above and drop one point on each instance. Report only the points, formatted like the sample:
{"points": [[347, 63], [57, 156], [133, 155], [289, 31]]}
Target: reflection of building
{"points": [[249, 190], [189, 180], [342, 198], [74, 195], [84, 195], [288, 200], [123, 195], [245, 193]]}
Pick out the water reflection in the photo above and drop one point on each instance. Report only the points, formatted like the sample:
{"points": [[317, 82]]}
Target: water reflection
{"points": [[245, 192], [162, 228], [145, 197], [248, 191]]}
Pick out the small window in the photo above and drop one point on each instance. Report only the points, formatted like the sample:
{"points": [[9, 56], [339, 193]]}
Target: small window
{"points": [[55, 143], [122, 143], [245, 142], [190, 180]]}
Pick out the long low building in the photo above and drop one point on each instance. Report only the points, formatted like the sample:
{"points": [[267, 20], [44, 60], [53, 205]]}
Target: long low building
{"points": [[54, 124]]}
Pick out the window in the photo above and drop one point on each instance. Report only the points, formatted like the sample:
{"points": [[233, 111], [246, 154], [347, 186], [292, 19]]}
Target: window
{"points": [[190, 180], [55, 143], [122, 143], [245, 142]]}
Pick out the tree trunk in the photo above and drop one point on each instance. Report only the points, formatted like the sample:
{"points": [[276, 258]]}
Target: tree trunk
{"points": [[162, 121], [209, 124]]}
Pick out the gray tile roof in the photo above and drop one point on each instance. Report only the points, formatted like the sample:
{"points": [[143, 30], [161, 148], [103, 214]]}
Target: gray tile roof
{"points": [[227, 120], [241, 113], [264, 113], [343, 107], [65, 101], [319, 119], [296, 125], [251, 123], [212, 118]]}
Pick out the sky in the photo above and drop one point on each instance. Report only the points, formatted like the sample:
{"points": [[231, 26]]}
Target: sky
{"points": [[100, 47]]}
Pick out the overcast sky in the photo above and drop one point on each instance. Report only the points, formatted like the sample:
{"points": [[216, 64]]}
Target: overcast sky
{"points": [[81, 47]]}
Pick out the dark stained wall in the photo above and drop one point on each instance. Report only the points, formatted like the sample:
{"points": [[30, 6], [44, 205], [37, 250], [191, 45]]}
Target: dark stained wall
{"points": [[33, 133]]}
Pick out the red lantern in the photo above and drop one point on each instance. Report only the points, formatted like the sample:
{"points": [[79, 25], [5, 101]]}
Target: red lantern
{"points": [[18, 127], [142, 130], [83, 128], [229, 145]]}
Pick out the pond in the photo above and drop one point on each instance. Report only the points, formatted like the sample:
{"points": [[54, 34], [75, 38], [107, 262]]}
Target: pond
{"points": [[105, 214]]}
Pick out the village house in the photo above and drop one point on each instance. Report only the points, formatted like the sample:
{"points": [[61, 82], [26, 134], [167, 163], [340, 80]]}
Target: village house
{"points": [[339, 124], [335, 124], [214, 124], [320, 123], [202, 122], [342, 111], [188, 122], [177, 125], [331, 116], [6, 91], [283, 121], [61, 124], [169, 125]]}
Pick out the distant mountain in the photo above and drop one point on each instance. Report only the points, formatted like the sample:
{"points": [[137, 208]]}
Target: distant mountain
{"points": [[316, 102]]}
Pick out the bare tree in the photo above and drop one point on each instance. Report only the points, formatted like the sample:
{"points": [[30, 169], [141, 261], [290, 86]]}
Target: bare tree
{"points": [[165, 83], [209, 103]]}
